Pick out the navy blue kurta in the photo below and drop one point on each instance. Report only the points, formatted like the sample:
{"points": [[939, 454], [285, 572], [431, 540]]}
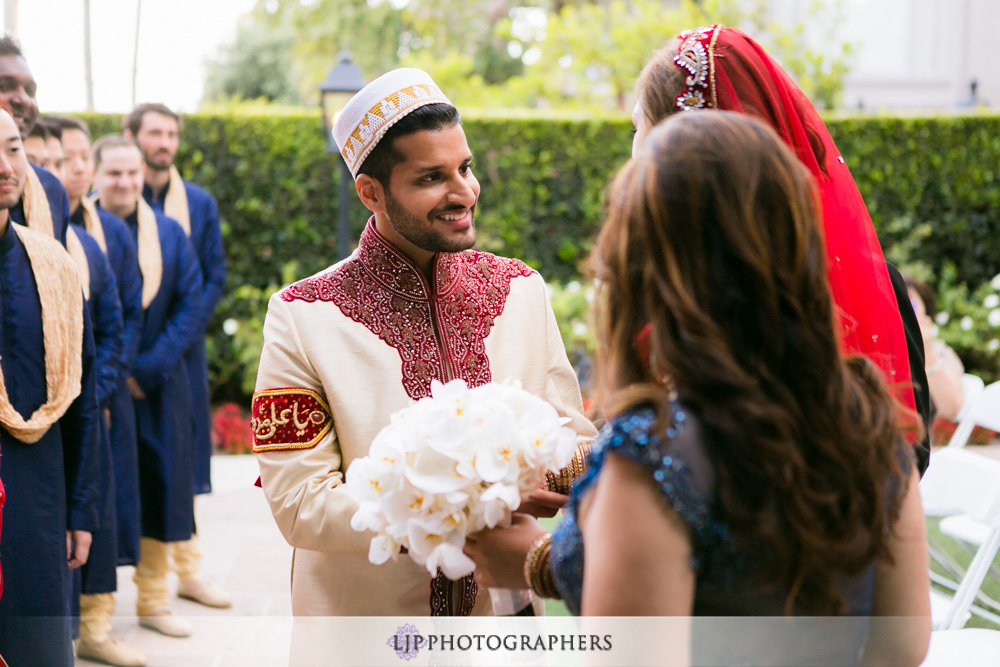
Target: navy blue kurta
{"points": [[52, 485], [206, 238], [163, 417], [58, 203], [99, 573], [124, 441]]}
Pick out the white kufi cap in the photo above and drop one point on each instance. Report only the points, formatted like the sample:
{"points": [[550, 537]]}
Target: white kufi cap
{"points": [[377, 107]]}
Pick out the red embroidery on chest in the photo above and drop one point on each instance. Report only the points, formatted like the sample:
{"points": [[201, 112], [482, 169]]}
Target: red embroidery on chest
{"points": [[288, 419], [440, 337]]}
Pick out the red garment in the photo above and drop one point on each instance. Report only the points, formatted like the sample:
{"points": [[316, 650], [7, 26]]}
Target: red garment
{"points": [[743, 78]]}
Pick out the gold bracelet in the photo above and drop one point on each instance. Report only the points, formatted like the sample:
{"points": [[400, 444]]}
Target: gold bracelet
{"points": [[563, 481], [547, 583], [531, 558], [537, 573]]}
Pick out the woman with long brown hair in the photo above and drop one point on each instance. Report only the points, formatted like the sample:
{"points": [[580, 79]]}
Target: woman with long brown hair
{"points": [[749, 467]]}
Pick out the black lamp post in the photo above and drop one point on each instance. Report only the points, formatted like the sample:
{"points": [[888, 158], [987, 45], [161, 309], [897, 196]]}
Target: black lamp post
{"points": [[340, 85]]}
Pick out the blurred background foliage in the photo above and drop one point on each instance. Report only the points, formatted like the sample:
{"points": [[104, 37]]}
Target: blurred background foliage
{"points": [[931, 185], [537, 54]]}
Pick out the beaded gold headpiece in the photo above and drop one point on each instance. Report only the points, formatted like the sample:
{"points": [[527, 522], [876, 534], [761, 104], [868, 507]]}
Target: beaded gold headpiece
{"points": [[696, 56]]}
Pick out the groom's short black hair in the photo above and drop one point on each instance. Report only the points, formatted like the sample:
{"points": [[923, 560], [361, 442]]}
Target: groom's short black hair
{"points": [[384, 156]]}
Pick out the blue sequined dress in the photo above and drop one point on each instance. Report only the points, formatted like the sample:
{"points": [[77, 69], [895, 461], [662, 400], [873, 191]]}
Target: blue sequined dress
{"points": [[728, 578]]}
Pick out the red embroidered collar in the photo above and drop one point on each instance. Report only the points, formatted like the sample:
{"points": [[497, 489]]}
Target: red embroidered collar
{"points": [[394, 271], [438, 333]]}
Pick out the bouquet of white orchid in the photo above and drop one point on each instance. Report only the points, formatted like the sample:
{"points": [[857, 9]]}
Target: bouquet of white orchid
{"points": [[451, 464]]}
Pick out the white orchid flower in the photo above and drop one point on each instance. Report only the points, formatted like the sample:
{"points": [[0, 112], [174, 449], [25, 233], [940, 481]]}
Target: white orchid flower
{"points": [[369, 517], [369, 479], [455, 390], [434, 472], [499, 447], [382, 549], [549, 443], [406, 503], [498, 502], [451, 560], [428, 536]]}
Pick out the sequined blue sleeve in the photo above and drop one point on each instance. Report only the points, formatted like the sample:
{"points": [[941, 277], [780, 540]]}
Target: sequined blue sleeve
{"points": [[676, 461], [634, 436]]}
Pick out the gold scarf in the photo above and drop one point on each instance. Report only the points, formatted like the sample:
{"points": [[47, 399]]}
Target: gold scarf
{"points": [[36, 205], [175, 204], [150, 253], [38, 217], [75, 249], [92, 222], [62, 331]]}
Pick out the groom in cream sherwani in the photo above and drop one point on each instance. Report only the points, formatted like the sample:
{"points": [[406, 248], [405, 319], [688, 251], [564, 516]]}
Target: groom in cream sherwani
{"points": [[358, 341]]}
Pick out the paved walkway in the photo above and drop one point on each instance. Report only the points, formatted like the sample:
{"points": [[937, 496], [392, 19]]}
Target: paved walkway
{"points": [[245, 553]]}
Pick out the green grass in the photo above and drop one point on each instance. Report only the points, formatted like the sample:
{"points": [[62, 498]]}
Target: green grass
{"points": [[554, 607], [990, 587]]}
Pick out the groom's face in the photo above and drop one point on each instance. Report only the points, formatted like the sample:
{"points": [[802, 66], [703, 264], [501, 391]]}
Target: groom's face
{"points": [[432, 194]]}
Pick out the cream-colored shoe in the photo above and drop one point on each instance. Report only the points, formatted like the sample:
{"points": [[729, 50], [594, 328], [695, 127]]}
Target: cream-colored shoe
{"points": [[203, 592], [166, 623], [112, 652]]}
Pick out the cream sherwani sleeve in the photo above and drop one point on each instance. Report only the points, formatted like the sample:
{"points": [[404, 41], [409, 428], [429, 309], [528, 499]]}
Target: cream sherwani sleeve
{"points": [[561, 386], [305, 486]]}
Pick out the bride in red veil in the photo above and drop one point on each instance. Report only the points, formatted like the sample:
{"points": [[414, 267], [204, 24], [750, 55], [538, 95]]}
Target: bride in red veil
{"points": [[722, 68]]}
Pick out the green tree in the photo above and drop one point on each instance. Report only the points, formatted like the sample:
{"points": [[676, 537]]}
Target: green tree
{"points": [[819, 72], [372, 30], [589, 54], [543, 54], [257, 65]]}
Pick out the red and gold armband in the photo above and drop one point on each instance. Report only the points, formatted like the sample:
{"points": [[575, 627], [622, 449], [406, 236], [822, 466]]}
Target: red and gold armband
{"points": [[282, 419]]}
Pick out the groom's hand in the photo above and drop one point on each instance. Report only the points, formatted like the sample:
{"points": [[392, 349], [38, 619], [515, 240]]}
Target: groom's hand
{"points": [[542, 504]]}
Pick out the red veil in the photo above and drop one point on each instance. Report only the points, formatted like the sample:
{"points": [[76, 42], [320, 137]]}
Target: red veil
{"points": [[730, 71]]}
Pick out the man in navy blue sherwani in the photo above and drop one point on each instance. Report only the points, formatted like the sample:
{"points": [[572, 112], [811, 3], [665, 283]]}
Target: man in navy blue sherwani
{"points": [[156, 129], [158, 382], [48, 429], [117, 543], [120, 248]]}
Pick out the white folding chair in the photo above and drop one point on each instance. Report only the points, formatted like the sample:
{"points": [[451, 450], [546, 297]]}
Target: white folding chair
{"points": [[981, 410], [972, 387], [981, 407], [971, 647], [963, 482]]}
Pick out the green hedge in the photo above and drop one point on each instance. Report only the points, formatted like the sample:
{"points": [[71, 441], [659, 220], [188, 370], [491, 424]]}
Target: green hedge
{"points": [[931, 184]]}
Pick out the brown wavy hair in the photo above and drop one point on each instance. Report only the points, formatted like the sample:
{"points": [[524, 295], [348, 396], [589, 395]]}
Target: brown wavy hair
{"points": [[712, 240]]}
